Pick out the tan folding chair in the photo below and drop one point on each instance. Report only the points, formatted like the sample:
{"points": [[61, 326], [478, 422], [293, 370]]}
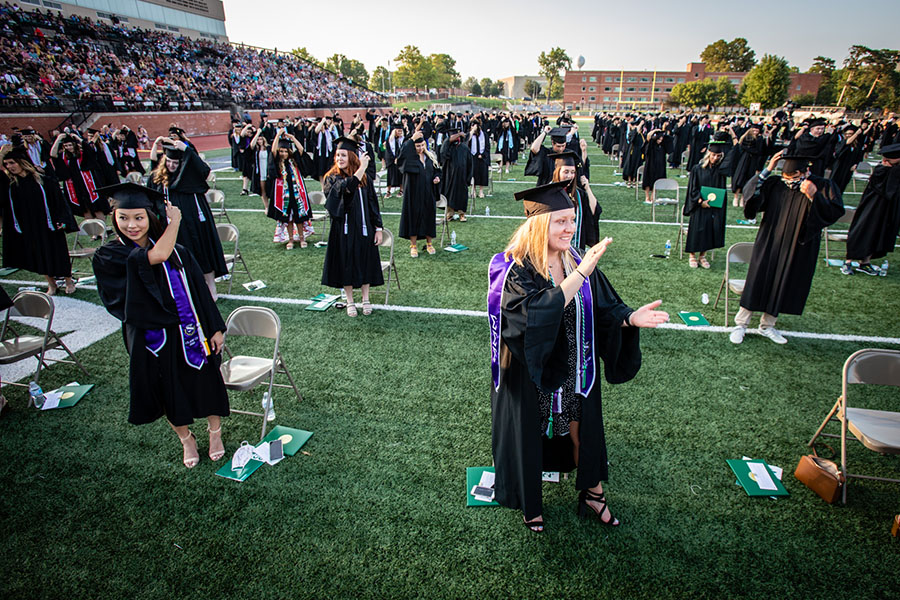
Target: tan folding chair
{"points": [[216, 201], [637, 182], [134, 177], [440, 217], [91, 235], [318, 199], [682, 234], [838, 235], [387, 241], [862, 173], [496, 167], [36, 305], [211, 179], [614, 155], [229, 234], [739, 253], [684, 159], [244, 373], [877, 430], [665, 185]]}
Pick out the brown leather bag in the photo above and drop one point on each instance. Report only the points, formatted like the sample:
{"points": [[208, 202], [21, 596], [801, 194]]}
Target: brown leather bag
{"points": [[821, 476]]}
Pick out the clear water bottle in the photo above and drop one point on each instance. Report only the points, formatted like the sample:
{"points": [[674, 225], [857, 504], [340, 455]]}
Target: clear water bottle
{"points": [[668, 248], [36, 394], [453, 238], [270, 414], [487, 211], [884, 268], [704, 298]]}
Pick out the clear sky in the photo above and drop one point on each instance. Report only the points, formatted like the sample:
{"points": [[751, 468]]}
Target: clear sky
{"points": [[494, 39]]}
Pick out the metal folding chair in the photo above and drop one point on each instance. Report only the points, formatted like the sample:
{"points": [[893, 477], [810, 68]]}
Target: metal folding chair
{"points": [[216, 201], [669, 185], [387, 241], [91, 235], [317, 198], [861, 173], [838, 235], [229, 234], [440, 217], [739, 253]]}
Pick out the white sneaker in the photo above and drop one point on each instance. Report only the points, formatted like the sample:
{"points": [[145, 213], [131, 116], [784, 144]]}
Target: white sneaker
{"points": [[773, 334], [737, 334]]}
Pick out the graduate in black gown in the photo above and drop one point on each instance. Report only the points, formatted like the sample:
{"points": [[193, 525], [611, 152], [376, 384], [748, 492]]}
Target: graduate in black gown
{"points": [[796, 207], [634, 153], [587, 209], [125, 150], [873, 232], [352, 259], [553, 316], [391, 152], [706, 228], [38, 150], [681, 138], [173, 331], [539, 163], [421, 177], [699, 138], [180, 175], [753, 148], [816, 141], [323, 146], [659, 144], [289, 205], [848, 152], [456, 164], [480, 147], [75, 165], [507, 144], [35, 220]]}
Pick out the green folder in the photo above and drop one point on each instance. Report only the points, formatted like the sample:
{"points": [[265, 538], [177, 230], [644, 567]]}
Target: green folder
{"points": [[743, 469], [692, 319], [241, 474], [71, 394], [7, 271], [322, 302], [292, 439], [715, 196], [456, 248], [473, 476]]}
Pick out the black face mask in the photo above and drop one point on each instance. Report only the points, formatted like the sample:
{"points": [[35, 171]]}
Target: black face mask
{"points": [[794, 184]]}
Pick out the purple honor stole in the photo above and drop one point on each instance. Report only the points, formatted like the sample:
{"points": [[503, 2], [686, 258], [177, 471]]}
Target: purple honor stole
{"points": [[193, 343]]}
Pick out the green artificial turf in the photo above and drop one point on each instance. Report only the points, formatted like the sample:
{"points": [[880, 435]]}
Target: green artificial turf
{"points": [[399, 406]]}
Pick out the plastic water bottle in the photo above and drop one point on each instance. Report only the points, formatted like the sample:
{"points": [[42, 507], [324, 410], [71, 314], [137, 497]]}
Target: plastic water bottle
{"points": [[884, 268], [36, 394], [453, 238], [704, 298], [270, 414], [487, 211], [668, 248]]}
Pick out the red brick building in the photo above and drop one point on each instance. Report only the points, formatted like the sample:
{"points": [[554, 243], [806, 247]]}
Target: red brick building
{"points": [[611, 90]]}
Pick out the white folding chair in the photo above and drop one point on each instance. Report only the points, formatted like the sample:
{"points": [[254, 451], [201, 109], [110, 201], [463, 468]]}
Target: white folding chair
{"points": [[317, 198], [877, 430], [441, 217], [838, 235], [684, 159], [496, 167], [91, 235], [665, 185], [638, 183], [229, 234], [211, 179], [387, 241], [243, 373], [739, 253], [34, 305], [216, 201], [134, 177], [862, 173]]}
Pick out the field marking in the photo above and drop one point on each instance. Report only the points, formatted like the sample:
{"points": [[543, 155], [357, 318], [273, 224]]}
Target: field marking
{"points": [[839, 337]]}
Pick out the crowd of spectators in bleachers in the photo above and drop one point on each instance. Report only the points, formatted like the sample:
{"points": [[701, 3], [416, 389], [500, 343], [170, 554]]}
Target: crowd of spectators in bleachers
{"points": [[47, 59]]}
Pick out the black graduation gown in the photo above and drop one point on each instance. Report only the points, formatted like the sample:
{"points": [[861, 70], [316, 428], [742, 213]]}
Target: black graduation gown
{"points": [[392, 149], [456, 161], [302, 163], [706, 228], [417, 216], [787, 244], [323, 158], [138, 294], [35, 220], [876, 223], [197, 233], [351, 257], [234, 142], [590, 220], [108, 167], [634, 156], [534, 354], [820, 148], [682, 136], [481, 160], [699, 139], [127, 156], [507, 144], [655, 161], [747, 164], [845, 158], [540, 165], [610, 137], [72, 176]]}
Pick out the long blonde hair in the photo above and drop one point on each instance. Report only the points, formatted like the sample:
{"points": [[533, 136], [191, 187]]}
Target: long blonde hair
{"points": [[30, 170], [530, 242], [161, 172]]}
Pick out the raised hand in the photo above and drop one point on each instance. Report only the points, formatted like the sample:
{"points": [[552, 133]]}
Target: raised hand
{"points": [[648, 316]]}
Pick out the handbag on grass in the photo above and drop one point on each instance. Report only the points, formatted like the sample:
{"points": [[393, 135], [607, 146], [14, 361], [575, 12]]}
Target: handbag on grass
{"points": [[821, 476]]}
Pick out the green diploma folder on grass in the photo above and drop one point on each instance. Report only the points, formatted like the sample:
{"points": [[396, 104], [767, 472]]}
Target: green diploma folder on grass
{"points": [[756, 478], [242, 473], [322, 302], [291, 439], [715, 196], [456, 248], [473, 477], [692, 319], [69, 395]]}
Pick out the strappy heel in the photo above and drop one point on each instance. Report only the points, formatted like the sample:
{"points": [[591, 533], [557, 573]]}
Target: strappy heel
{"points": [[586, 510], [214, 456], [535, 525], [192, 462]]}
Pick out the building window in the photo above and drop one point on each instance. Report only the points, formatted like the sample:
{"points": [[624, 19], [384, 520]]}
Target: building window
{"points": [[696, 75], [175, 29], [632, 79], [608, 80], [681, 80], [668, 89], [643, 90], [735, 81], [58, 6], [629, 89], [606, 89], [36, 2], [159, 26], [593, 98], [592, 89], [593, 79], [645, 79], [582, 88], [670, 80], [583, 79], [799, 87]]}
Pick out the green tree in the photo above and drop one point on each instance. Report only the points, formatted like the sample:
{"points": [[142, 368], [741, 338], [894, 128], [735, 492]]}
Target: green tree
{"points": [[414, 70], [767, 83], [551, 63], [733, 56], [305, 55], [808, 99], [476, 89], [823, 65], [445, 72], [870, 78], [696, 93], [469, 85], [348, 67], [532, 88], [380, 79], [724, 93], [488, 88]]}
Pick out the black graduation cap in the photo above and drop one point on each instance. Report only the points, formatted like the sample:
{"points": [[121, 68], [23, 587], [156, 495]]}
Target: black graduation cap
{"points": [[451, 129], [816, 122], [173, 152], [850, 128], [756, 125], [568, 158], [18, 152], [545, 198], [345, 143], [891, 151], [68, 139], [175, 129], [130, 195], [27, 131], [286, 144], [796, 162], [558, 135], [719, 143], [396, 126]]}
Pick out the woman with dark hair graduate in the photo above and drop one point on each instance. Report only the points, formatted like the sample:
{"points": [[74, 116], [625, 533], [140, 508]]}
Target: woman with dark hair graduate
{"points": [[180, 175], [420, 176], [290, 201], [75, 164], [351, 258], [173, 331], [552, 316], [587, 209], [35, 220], [706, 228], [479, 146]]}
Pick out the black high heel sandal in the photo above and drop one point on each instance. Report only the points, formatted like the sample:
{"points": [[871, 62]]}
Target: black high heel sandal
{"points": [[534, 524], [586, 510]]}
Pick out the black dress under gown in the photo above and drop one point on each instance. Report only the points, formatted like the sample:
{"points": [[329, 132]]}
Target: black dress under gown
{"points": [[533, 359], [351, 257], [655, 160], [417, 216], [138, 294], [35, 221]]}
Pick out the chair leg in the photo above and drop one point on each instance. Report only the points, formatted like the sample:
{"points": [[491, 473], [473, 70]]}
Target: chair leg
{"points": [[844, 458], [824, 423], [284, 370], [721, 287], [71, 355], [387, 292], [396, 276]]}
